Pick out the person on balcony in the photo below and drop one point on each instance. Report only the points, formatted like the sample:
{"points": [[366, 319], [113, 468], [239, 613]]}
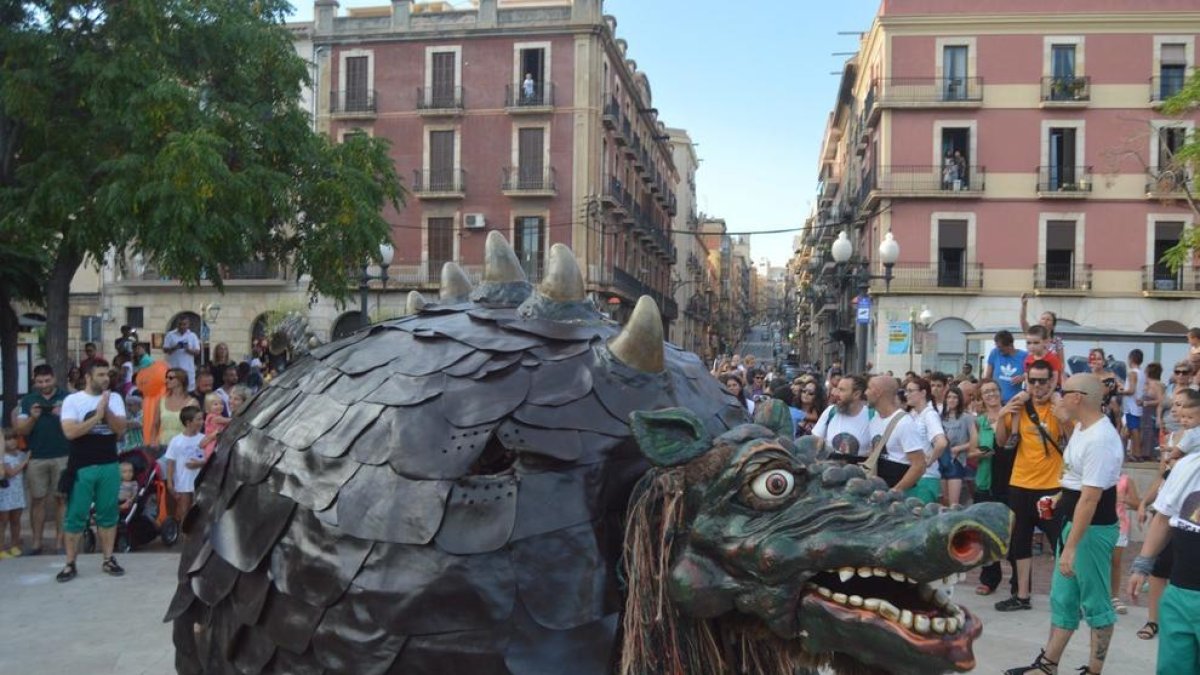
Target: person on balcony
{"points": [[528, 88]]}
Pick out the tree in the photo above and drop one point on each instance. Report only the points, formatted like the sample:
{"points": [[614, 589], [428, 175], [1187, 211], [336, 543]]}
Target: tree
{"points": [[172, 129], [1184, 163]]}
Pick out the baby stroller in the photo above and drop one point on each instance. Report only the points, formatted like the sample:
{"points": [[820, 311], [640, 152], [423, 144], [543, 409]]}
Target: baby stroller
{"points": [[148, 517]]}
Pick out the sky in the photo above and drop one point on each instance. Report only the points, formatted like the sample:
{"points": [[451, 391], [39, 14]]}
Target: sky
{"points": [[752, 84]]}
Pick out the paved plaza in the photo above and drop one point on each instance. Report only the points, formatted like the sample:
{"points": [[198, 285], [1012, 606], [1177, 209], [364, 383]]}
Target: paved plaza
{"points": [[100, 625]]}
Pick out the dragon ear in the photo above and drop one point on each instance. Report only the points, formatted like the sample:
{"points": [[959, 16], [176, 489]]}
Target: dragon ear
{"points": [[670, 437]]}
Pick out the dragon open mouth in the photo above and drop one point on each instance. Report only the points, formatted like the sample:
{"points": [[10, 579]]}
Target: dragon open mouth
{"points": [[919, 613]]}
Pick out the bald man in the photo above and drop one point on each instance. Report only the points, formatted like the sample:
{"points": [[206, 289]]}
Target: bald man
{"points": [[902, 461], [1082, 578]]}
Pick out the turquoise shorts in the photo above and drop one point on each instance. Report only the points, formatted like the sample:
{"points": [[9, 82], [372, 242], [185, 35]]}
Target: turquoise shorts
{"points": [[98, 484], [1087, 594], [928, 490], [1179, 641]]}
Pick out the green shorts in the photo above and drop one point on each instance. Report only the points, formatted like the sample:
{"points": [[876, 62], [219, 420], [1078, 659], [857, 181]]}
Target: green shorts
{"points": [[1087, 594], [928, 490], [98, 484], [1179, 641]]}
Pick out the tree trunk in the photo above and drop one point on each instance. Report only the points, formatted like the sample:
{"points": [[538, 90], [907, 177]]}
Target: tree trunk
{"points": [[9, 329], [58, 311]]}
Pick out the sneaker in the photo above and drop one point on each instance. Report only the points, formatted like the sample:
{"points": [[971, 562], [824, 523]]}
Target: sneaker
{"points": [[1013, 604], [15, 552], [112, 569], [68, 573], [1119, 607]]}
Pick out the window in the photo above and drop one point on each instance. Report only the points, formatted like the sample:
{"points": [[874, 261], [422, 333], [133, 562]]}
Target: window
{"points": [[533, 76], [952, 253], [358, 89], [528, 241], [441, 161], [956, 158], [135, 317], [443, 80], [1166, 236], [1172, 69], [1170, 141], [954, 73], [1062, 166], [440, 243], [531, 163], [1062, 73], [1060, 254]]}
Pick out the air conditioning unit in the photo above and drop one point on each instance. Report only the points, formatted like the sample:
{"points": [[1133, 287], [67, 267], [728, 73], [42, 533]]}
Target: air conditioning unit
{"points": [[474, 221]]}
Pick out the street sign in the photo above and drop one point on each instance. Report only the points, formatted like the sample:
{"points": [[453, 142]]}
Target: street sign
{"points": [[864, 309]]}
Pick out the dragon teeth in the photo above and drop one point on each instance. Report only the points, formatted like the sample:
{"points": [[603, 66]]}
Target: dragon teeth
{"points": [[864, 572], [921, 623], [880, 572], [825, 592], [856, 601], [938, 624], [906, 618], [897, 576], [846, 574], [951, 625], [840, 598], [872, 604], [889, 611]]}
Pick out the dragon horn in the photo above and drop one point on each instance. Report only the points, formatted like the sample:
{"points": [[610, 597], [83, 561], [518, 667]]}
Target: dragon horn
{"points": [[563, 281], [640, 344], [415, 303], [455, 286], [500, 264]]}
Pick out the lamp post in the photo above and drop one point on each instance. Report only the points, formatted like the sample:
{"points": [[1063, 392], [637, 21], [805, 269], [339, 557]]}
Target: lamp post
{"points": [[386, 252], [842, 251], [209, 312], [924, 317]]}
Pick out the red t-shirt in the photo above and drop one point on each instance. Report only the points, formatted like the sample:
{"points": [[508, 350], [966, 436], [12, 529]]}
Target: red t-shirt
{"points": [[1051, 358]]}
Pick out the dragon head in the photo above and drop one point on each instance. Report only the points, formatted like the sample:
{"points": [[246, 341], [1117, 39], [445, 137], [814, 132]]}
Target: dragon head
{"points": [[748, 552]]}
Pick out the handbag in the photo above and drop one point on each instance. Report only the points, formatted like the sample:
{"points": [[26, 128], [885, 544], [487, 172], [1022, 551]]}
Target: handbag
{"points": [[871, 465]]}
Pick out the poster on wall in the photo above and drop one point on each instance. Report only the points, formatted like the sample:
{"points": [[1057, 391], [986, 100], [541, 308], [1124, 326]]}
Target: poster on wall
{"points": [[899, 337]]}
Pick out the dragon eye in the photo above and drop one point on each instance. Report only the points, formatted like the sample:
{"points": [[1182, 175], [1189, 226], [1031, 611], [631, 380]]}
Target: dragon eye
{"points": [[773, 485]]}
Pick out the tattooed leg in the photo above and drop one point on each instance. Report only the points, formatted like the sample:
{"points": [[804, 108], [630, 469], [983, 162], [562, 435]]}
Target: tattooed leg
{"points": [[1101, 638]]}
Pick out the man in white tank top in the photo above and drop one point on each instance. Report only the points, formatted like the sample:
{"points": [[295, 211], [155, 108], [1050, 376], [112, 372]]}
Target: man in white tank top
{"points": [[1131, 404]]}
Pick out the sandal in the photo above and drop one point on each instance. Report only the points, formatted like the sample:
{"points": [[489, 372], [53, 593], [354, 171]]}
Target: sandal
{"points": [[984, 589], [1148, 632], [68, 573], [1119, 607], [1040, 664], [111, 568]]}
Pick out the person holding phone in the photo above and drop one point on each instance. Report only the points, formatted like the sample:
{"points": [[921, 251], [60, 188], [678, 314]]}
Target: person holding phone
{"points": [[37, 419]]}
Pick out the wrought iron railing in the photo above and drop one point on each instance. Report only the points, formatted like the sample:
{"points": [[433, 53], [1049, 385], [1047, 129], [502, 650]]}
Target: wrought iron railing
{"points": [[931, 276], [930, 90], [1064, 179], [1062, 276], [352, 101], [911, 179], [439, 180], [1066, 89], [517, 179], [440, 98], [540, 95], [1160, 278]]}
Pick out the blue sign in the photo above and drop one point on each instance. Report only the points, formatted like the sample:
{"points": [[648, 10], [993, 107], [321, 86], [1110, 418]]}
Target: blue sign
{"points": [[864, 309]]}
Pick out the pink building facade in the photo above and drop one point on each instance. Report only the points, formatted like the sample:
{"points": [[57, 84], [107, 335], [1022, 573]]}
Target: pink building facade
{"points": [[522, 117], [1010, 148]]}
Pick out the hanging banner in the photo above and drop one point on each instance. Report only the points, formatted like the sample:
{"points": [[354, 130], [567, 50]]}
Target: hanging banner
{"points": [[899, 337]]}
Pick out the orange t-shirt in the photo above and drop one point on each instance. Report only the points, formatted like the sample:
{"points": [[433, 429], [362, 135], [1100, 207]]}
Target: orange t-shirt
{"points": [[1038, 466]]}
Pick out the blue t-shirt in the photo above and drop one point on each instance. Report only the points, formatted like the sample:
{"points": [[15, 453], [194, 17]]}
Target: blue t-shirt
{"points": [[1004, 369]]}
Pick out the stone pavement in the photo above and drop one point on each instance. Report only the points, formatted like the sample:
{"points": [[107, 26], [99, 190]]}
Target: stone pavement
{"points": [[99, 625]]}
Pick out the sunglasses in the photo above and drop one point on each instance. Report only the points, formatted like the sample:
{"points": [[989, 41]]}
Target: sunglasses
{"points": [[1038, 380], [1183, 372]]}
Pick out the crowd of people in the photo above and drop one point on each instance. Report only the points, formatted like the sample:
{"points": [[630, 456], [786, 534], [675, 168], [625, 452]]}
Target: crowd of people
{"points": [[1052, 445], [64, 447]]}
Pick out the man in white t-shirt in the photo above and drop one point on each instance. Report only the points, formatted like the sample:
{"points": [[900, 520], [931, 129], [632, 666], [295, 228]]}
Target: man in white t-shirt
{"points": [[182, 347], [1088, 507], [845, 426], [902, 461], [92, 420]]}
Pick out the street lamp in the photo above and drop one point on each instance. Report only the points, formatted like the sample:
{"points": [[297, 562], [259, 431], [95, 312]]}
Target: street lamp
{"points": [[386, 252], [914, 328], [209, 312], [842, 251]]}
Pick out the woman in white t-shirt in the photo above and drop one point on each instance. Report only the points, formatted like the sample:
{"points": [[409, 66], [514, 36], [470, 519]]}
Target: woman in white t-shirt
{"points": [[919, 398]]}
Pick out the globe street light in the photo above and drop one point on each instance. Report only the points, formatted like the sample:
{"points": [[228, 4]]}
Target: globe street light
{"points": [[842, 251], [386, 252]]}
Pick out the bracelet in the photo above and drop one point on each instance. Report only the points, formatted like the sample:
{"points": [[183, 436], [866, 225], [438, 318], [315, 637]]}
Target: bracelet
{"points": [[1143, 565]]}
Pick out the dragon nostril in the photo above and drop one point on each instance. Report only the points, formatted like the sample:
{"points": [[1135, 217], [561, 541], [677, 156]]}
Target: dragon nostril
{"points": [[966, 546]]}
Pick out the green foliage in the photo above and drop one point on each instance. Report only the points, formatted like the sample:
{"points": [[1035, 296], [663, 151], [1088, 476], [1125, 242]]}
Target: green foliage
{"points": [[1187, 159], [172, 128]]}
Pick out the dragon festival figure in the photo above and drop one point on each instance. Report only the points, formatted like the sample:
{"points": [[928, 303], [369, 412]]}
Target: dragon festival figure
{"points": [[505, 481]]}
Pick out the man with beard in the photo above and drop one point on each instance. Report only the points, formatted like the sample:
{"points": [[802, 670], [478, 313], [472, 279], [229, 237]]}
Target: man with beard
{"points": [[845, 425], [36, 418]]}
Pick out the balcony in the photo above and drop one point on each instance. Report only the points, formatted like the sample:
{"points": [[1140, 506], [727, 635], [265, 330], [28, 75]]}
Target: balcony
{"points": [[631, 288], [1066, 92], [930, 92], [614, 195], [440, 184], [933, 278], [1163, 87], [250, 273], [529, 182], [540, 100], [1160, 281], [625, 137], [612, 115], [1167, 184], [1062, 278], [352, 104], [1064, 182], [923, 182], [440, 101]]}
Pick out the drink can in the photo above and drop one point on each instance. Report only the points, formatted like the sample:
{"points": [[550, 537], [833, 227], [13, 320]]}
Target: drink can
{"points": [[1045, 507]]}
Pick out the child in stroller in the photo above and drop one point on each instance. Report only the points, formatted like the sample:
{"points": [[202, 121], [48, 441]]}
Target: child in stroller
{"points": [[146, 516]]}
